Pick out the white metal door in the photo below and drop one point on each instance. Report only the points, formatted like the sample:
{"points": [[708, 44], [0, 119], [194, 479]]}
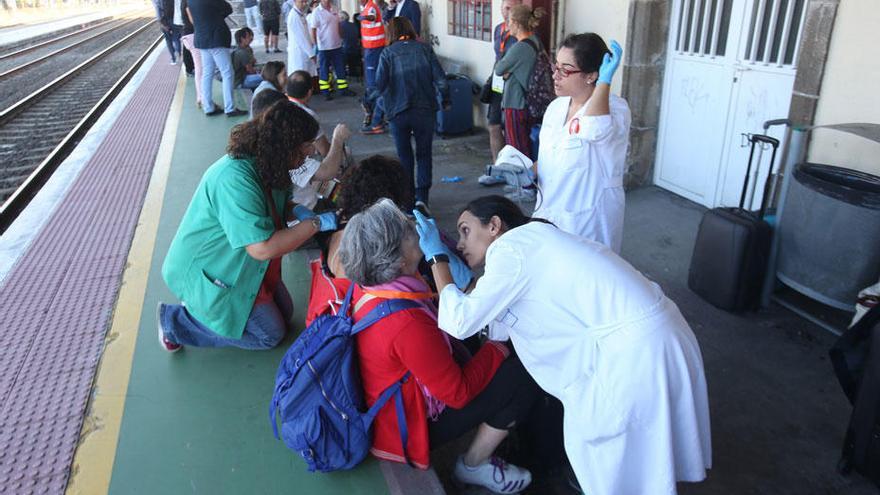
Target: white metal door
{"points": [[729, 69]]}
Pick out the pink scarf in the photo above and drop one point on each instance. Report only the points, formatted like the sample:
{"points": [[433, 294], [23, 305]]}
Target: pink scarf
{"points": [[408, 283]]}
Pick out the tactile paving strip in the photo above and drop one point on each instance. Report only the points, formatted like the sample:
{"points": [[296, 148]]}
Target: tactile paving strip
{"points": [[56, 303]]}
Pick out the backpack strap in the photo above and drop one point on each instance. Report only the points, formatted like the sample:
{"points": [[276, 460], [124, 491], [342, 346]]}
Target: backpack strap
{"points": [[383, 309], [532, 44], [343, 310], [395, 391]]}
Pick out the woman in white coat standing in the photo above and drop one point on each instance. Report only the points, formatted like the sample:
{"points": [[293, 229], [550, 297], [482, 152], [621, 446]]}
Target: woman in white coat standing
{"points": [[593, 332], [301, 53], [584, 139]]}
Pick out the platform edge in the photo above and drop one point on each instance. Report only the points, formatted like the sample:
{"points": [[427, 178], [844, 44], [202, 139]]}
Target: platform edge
{"points": [[93, 461]]}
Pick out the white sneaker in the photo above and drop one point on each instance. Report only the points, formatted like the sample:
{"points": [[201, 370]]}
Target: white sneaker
{"points": [[495, 475], [490, 180]]}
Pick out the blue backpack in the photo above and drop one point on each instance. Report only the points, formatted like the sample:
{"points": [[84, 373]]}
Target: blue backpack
{"points": [[319, 396]]}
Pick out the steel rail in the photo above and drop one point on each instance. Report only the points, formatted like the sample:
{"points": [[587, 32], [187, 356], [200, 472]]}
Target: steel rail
{"points": [[17, 108], [55, 40], [16, 203], [64, 49]]}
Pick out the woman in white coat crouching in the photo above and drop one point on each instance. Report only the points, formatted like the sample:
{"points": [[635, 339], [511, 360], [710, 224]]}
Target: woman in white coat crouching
{"points": [[584, 139], [592, 331]]}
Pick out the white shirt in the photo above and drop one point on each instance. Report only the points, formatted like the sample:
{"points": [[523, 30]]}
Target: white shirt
{"points": [[581, 163], [300, 48], [326, 22], [594, 332], [178, 16], [399, 6], [304, 191]]}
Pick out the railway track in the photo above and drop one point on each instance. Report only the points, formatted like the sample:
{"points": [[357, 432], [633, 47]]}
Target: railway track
{"points": [[39, 130], [16, 63]]}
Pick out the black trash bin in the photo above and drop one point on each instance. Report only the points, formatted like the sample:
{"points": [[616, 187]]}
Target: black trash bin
{"points": [[829, 240]]}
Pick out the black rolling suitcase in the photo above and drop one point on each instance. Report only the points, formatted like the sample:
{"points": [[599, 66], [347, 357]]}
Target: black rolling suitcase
{"points": [[732, 247]]}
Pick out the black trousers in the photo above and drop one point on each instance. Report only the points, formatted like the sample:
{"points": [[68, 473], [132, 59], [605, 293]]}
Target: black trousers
{"points": [[507, 400]]}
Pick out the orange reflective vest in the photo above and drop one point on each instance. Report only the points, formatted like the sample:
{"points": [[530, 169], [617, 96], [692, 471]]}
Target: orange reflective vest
{"points": [[372, 32]]}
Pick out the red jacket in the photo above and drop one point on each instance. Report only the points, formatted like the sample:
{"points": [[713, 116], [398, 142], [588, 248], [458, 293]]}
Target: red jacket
{"points": [[411, 341], [326, 294]]}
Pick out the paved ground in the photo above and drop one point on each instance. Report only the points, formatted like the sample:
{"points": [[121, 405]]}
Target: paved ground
{"points": [[778, 415]]}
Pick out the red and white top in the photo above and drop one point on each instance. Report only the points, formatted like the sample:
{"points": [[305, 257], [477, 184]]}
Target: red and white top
{"points": [[372, 32], [410, 340]]}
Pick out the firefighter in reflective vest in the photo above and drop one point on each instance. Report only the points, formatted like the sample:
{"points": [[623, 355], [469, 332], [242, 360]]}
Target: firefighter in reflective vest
{"points": [[324, 24], [373, 41]]}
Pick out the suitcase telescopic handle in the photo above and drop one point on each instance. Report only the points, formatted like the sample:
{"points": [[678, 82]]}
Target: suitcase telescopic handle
{"points": [[757, 139]]}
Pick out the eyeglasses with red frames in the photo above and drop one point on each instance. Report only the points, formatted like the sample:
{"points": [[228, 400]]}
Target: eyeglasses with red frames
{"points": [[563, 72]]}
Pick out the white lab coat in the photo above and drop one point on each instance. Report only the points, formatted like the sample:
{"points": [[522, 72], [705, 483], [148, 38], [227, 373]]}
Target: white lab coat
{"points": [[581, 163], [300, 48], [604, 340]]}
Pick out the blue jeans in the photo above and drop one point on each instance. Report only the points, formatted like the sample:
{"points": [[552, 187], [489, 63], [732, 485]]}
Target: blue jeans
{"points": [[415, 123], [371, 63], [372, 98], [172, 40], [265, 327], [217, 58], [251, 81], [325, 59]]}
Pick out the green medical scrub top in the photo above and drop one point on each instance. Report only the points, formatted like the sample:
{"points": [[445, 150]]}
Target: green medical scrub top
{"points": [[207, 266]]}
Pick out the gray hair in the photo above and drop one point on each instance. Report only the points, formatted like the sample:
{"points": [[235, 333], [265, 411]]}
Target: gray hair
{"points": [[343, 16], [371, 251]]}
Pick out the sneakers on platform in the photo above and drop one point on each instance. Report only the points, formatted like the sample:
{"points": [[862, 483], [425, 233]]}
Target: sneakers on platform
{"points": [[491, 180], [495, 475], [237, 113], [347, 92], [378, 129], [163, 340]]}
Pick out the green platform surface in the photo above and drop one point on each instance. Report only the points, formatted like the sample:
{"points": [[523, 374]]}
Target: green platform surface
{"points": [[197, 421]]}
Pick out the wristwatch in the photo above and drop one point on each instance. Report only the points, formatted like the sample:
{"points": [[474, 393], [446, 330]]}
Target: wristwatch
{"points": [[437, 258], [316, 222]]}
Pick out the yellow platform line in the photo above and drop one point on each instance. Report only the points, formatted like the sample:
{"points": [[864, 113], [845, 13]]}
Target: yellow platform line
{"points": [[93, 462]]}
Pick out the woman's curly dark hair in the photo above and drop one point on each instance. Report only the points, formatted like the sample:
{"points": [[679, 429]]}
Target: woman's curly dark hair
{"points": [[373, 178], [273, 140]]}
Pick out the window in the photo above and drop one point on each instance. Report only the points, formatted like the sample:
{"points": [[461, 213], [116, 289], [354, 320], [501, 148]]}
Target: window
{"points": [[471, 19]]}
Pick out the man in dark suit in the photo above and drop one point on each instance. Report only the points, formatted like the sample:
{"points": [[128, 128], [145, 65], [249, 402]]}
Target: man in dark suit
{"points": [[406, 8], [213, 39]]}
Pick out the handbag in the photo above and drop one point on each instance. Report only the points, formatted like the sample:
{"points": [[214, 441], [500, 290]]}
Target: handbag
{"points": [[486, 91]]}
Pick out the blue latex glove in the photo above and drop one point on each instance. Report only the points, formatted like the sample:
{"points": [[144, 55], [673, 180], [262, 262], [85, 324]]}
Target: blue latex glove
{"points": [[610, 63], [461, 273], [432, 245], [303, 213], [429, 236], [327, 219]]}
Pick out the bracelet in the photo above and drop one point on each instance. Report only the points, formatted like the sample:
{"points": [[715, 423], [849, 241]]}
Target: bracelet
{"points": [[438, 258]]}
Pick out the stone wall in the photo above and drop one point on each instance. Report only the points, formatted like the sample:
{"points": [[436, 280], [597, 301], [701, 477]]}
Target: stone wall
{"points": [[643, 82]]}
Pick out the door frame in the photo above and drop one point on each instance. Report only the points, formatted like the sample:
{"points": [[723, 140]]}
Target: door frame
{"points": [[645, 56]]}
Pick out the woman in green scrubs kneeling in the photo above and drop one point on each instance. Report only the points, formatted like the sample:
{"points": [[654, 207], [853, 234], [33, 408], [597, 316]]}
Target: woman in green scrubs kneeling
{"points": [[224, 263]]}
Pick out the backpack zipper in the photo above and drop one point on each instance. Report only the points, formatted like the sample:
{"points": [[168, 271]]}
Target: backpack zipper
{"points": [[324, 392]]}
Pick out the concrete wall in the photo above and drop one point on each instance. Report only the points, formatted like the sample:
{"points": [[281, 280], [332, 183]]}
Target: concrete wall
{"points": [[850, 89], [608, 19]]}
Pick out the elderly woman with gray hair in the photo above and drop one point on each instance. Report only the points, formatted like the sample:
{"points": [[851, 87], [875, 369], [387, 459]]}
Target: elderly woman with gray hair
{"points": [[492, 392]]}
